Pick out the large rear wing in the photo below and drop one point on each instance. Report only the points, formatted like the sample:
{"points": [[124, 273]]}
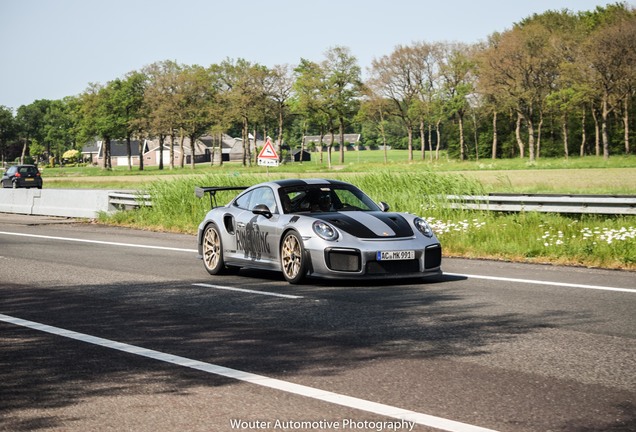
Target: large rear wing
{"points": [[200, 191]]}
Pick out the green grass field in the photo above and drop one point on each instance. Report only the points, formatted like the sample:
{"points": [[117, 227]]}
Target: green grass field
{"points": [[576, 175]]}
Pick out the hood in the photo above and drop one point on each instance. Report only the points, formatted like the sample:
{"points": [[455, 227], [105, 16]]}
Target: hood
{"points": [[368, 225]]}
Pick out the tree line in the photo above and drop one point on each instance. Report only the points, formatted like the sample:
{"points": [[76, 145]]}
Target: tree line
{"points": [[555, 83]]}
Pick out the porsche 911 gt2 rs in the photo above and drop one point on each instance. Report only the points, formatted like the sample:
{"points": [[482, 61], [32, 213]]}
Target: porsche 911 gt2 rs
{"points": [[315, 227]]}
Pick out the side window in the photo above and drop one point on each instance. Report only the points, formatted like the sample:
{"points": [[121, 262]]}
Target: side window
{"points": [[264, 195], [243, 201]]}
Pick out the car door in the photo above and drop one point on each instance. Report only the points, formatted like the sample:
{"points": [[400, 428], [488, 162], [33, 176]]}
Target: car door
{"points": [[257, 235], [6, 178]]}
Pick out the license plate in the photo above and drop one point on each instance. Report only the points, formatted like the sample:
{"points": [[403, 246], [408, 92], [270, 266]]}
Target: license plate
{"points": [[395, 255], [29, 179]]}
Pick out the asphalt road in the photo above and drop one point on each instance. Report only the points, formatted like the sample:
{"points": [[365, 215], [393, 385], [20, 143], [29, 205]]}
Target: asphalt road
{"points": [[114, 329]]}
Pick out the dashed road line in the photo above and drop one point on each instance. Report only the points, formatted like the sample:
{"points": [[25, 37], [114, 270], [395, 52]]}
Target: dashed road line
{"points": [[243, 290]]}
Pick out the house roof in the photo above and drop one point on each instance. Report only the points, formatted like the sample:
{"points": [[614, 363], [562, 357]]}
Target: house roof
{"points": [[199, 147], [92, 147], [226, 143], [117, 148], [348, 138]]}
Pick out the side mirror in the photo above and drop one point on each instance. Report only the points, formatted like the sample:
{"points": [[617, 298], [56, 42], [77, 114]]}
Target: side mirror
{"points": [[262, 210], [384, 206]]}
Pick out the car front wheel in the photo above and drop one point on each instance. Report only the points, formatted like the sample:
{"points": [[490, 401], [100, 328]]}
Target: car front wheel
{"points": [[213, 250], [292, 257]]}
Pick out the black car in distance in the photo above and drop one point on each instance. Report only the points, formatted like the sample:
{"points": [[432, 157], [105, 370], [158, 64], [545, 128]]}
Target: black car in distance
{"points": [[22, 176]]}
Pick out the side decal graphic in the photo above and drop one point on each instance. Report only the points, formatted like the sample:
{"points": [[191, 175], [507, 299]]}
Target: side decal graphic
{"points": [[252, 241]]}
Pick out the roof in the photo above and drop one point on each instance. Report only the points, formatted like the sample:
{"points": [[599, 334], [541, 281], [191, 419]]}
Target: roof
{"points": [[117, 148], [326, 139], [209, 141]]}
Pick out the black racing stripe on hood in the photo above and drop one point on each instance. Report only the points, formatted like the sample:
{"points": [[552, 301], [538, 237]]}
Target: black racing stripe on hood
{"points": [[396, 222], [354, 227]]}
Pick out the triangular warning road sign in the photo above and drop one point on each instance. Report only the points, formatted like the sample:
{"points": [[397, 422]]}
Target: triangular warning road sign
{"points": [[268, 151]]}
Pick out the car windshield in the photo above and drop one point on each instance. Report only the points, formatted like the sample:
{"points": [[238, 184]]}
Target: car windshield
{"points": [[325, 198]]}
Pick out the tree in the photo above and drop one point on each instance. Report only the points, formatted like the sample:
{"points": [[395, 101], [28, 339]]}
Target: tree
{"points": [[129, 98], [244, 85], [612, 58], [343, 87], [162, 100], [397, 77], [102, 116], [30, 122], [59, 128], [279, 84], [309, 100], [8, 129], [457, 69], [429, 76], [522, 63], [197, 113], [376, 109]]}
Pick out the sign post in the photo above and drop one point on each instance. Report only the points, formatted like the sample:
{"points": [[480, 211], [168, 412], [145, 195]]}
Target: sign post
{"points": [[268, 156]]}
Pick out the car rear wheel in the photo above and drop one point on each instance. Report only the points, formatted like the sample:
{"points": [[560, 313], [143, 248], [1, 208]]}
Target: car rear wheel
{"points": [[292, 257], [213, 250]]}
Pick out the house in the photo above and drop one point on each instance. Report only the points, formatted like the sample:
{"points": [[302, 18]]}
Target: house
{"points": [[204, 148], [153, 153], [93, 152], [352, 141], [301, 155]]}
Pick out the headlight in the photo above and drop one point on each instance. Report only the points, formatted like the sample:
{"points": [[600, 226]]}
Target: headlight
{"points": [[423, 227], [325, 231]]}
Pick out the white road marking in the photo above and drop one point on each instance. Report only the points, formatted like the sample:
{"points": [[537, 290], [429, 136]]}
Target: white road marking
{"points": [[265, 293], [538, 282], [289, 387], [495, 278], [98, 242]]}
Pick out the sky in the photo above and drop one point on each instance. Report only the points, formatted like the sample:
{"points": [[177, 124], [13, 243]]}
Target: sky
{"points": [[51, 49]]}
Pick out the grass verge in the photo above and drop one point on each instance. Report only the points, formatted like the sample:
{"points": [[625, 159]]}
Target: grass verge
{"points": [[587, 240]]}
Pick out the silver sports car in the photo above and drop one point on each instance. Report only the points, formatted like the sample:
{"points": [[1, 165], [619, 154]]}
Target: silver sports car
{"points": [[315, 227]]}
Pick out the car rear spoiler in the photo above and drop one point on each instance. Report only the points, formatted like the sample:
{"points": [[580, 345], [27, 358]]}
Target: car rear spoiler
{"points": [[200, 191]]}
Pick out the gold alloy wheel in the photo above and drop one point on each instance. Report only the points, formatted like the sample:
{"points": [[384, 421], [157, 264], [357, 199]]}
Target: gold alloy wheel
{"points": [[212, 249], [291, 256]]}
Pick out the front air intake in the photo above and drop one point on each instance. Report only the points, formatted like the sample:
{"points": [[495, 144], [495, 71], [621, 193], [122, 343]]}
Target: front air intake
{"points": [[346, 260]]}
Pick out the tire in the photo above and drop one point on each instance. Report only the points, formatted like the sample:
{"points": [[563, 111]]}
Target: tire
{"points": [[292, 258], [14, 184], [213, 250]]}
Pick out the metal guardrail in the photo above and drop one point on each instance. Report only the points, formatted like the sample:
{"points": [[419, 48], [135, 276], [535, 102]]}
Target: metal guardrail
{"points": [[548, 203], [129, 200]]}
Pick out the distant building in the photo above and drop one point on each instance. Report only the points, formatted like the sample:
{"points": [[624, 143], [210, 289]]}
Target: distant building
{"points": [[301, 155], [352, 141], [204, 147], [93, 152]]}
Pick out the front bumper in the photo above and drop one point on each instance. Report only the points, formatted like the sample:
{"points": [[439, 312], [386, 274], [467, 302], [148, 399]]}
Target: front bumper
{"points": [[362, 261]]}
